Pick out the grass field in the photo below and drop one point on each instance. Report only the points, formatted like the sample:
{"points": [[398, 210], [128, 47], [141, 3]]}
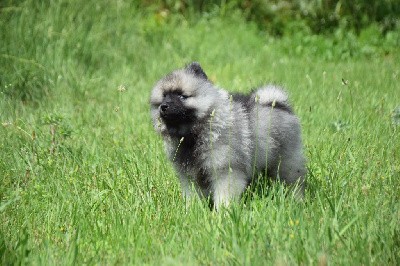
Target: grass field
{"points": [[83, 176]]}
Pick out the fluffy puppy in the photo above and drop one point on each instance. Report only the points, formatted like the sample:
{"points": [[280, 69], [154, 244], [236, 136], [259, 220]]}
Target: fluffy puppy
{"points": [[218, 143]]}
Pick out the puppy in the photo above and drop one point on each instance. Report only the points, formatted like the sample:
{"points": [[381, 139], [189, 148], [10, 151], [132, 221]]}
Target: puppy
{"points": [[218, 143]]}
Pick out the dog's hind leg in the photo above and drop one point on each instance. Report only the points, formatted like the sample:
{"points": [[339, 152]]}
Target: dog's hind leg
{"points": [[292, 171]]}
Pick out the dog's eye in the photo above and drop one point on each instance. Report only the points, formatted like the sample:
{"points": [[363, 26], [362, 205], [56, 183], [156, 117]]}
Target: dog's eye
{"points": [[182, 97]]}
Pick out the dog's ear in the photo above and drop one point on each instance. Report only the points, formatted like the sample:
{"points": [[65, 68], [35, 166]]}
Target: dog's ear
{"points": [[196, 69]]}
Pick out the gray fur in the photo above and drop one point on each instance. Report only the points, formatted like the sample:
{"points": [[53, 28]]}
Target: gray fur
{"points": [[216, 152]]}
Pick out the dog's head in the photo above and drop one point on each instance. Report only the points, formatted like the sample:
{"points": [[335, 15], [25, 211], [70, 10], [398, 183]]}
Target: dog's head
{"points": [[181, 99]]}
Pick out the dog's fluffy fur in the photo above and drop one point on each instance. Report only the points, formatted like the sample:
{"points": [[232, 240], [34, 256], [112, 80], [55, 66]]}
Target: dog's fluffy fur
{"points": [[216, 140]]}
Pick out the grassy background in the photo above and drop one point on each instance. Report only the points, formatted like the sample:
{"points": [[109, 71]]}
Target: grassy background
{"points": [[83, 176]]}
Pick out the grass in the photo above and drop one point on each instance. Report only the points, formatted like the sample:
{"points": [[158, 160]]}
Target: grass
{"points": [[83, 176]]}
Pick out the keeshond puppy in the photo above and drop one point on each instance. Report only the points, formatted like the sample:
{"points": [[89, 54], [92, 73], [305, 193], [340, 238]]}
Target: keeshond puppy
{"points": [[219, 142]]}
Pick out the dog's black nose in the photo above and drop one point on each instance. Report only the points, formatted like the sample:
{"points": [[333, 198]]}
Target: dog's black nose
{"points": [[163, 107]]}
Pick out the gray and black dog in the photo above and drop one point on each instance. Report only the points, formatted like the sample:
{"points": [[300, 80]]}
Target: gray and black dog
{"points": [[218, 142]]}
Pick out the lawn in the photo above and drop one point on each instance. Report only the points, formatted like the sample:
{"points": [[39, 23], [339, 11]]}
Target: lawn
{"points": [[84, 178]]}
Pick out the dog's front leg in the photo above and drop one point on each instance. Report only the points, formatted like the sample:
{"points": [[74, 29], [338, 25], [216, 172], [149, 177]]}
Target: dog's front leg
{"points": [[227, 186], [190, 189]]}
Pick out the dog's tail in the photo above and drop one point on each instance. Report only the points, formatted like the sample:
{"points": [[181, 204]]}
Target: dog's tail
{"points": [[273, 96]]}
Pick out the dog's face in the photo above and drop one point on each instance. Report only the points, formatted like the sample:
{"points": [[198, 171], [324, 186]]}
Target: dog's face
{"points": [[180, 100], [173, 110]]}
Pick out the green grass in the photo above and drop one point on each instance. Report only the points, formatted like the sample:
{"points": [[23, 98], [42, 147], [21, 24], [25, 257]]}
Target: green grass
{"points": [[83, 176]]}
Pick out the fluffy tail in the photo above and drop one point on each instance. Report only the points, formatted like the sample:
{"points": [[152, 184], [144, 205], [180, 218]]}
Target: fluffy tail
{"points": [[274, 96]]}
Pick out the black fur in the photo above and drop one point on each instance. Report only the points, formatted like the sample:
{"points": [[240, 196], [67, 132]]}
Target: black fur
{"points": [[243, 99], [196, 69], [247, 101], [281, 106], [174, 112]]}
